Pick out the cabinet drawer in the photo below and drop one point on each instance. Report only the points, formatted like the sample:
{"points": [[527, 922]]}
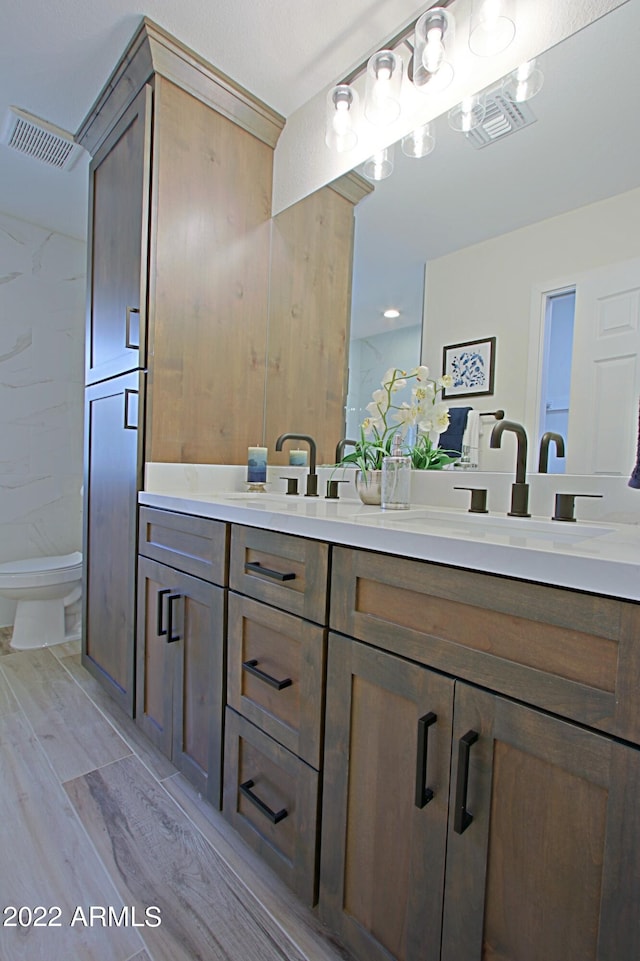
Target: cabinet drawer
{"points": [[271, 799], [195, 545], [276, 674], [567, 652], [285, 571]]}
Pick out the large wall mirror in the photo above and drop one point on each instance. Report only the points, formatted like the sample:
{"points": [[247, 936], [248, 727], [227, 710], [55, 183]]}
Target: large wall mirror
{"points": [[472, 242]]}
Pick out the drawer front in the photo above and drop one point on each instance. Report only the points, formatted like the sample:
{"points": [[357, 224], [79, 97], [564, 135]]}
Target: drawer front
{"points": [[567, 652], [276, 665], [281, 570], [271, 799], [195, 545]]}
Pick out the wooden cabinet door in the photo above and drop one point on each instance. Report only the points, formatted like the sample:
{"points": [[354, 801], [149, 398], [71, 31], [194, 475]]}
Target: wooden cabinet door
{"points": [[385, 802], [180, 663], [113, 476], [543, 848], [118, 242]]}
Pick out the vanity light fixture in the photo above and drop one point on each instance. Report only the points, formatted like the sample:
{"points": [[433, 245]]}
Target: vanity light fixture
{"points": [[380, 165], [384, 82], [492, 26], [342, 107], [433, 34], [468, 114], [420, 142], [524, 83]]}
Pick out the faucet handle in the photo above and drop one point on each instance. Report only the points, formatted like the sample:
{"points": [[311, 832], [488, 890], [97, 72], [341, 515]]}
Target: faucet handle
{"points": [[565, 504], [292, 484], [332, 489], [312, 485], [478, 499]]}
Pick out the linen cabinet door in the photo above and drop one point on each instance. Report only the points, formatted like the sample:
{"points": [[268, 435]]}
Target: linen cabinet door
{"points": [[544, 838], [113, 458], [385, 802], [118, 241]]}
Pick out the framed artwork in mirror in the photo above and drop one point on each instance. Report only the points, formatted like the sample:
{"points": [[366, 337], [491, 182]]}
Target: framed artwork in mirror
{"points": [[471, 366]]}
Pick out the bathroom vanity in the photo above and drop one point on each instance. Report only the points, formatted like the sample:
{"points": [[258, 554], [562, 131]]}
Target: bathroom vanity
{"points": [[446, 758]]}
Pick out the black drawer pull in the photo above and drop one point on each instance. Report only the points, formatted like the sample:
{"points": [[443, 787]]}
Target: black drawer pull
{"points": [[251, 667], [274, 816], [160, 629], [254, 567], [423, 794], [462, 819], [171, 637]]}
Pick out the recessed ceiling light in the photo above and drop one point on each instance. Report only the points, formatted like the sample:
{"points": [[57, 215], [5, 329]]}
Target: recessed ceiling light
{"points": [[391, 314]]}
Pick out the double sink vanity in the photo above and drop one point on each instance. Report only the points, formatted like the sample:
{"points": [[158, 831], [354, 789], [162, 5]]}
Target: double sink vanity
{"points": [[425, 721]]}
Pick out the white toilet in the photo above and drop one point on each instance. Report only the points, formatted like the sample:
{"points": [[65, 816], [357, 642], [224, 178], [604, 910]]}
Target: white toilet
{"points": [[43, 588]]}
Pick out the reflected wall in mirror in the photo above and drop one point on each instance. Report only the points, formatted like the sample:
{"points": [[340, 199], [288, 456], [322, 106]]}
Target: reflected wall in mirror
{"points": [[496, 229]]}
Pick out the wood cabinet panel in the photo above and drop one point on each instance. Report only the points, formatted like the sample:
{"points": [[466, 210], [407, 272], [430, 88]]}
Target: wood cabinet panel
{"points": [[383, 847], [526, 878], [113, 474], [555, 648], [290, 651], [118, 232], [309, 321], [280, 819], [180, 662], [195, 545], [209, 282]]}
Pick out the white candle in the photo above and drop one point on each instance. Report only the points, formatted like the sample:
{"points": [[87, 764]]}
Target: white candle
{"points": [[297, 458], [257, 465]]}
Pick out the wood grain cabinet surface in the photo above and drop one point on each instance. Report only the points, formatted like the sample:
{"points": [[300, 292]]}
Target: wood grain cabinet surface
{"points": [[528, 845], [180, 664]]}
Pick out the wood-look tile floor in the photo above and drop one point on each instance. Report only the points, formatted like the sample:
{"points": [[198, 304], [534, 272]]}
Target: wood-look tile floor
{"points": [[93, 818]]}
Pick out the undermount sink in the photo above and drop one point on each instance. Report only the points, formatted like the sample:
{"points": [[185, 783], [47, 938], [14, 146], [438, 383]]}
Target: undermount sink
{"points": [[475, 525]]}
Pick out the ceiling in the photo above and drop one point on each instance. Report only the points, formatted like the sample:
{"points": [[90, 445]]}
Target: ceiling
{"points": [[55, 56]]}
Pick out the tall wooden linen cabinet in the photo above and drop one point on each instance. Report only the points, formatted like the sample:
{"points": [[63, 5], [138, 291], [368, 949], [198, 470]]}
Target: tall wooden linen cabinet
{"points": [[202, 309]]}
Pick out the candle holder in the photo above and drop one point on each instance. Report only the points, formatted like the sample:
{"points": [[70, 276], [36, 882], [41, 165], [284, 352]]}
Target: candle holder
{"points": [[256, 488]]}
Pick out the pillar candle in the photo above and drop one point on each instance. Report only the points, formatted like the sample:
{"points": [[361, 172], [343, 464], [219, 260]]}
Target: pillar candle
{"points": [[297, 458], [257, 465]]}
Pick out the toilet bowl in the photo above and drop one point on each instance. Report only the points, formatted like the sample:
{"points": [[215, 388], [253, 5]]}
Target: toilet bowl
{"points": [[43, 588]]}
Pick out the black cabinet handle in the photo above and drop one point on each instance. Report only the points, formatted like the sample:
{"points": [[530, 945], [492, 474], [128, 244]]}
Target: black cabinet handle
{"points": [[130, 408], [160, 628], [251, 667], [171, 638], [461, 818], [274, 816], [423, 794], [254, 567], [128, 342]]}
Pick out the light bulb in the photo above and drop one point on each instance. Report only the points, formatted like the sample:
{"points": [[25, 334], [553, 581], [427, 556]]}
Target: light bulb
{"points": [[434, 50], [384, 82], [492, 26], [340, 133]]}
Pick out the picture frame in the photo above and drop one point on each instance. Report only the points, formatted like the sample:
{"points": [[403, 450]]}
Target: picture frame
{"points": [[471, 366]]}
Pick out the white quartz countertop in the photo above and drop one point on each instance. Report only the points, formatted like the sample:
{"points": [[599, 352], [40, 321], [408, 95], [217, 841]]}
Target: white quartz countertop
{"points": [[598, 557]]}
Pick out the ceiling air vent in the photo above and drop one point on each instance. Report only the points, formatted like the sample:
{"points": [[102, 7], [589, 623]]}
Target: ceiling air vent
{"points": [[502, 118], [39, 139]]}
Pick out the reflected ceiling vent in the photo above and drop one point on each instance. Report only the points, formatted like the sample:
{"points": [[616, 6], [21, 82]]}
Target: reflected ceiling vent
{"points": [[39, 139], [501, 119]]}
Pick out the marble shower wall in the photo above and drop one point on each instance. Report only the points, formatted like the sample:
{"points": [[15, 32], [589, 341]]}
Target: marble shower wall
{"points": [[42, 294]]}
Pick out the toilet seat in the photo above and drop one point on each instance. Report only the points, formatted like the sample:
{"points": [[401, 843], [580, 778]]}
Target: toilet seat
{"points": [[41, 571]]}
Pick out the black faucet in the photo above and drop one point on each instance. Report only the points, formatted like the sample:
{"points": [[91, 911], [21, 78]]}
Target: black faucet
{"points": [[519, 490], [340, 446], [545, 440], [312, 477]]}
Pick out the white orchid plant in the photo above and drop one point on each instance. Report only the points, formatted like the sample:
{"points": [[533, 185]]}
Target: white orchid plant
{"points": [[425, 411]]}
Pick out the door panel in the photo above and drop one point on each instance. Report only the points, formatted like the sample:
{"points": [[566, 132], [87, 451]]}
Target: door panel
{"points": [[383, 841]]}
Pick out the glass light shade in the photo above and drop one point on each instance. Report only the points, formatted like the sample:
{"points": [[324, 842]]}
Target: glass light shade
{"points": [[383, 86], [492, 27], [433, 36], [468, 114], [380, 165], [342, 107], [420, 142], [427, 82], [524, 83]]}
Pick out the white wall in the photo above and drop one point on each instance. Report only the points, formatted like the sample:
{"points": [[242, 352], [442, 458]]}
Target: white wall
{"points": [[42, 294], [486, 290]]}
